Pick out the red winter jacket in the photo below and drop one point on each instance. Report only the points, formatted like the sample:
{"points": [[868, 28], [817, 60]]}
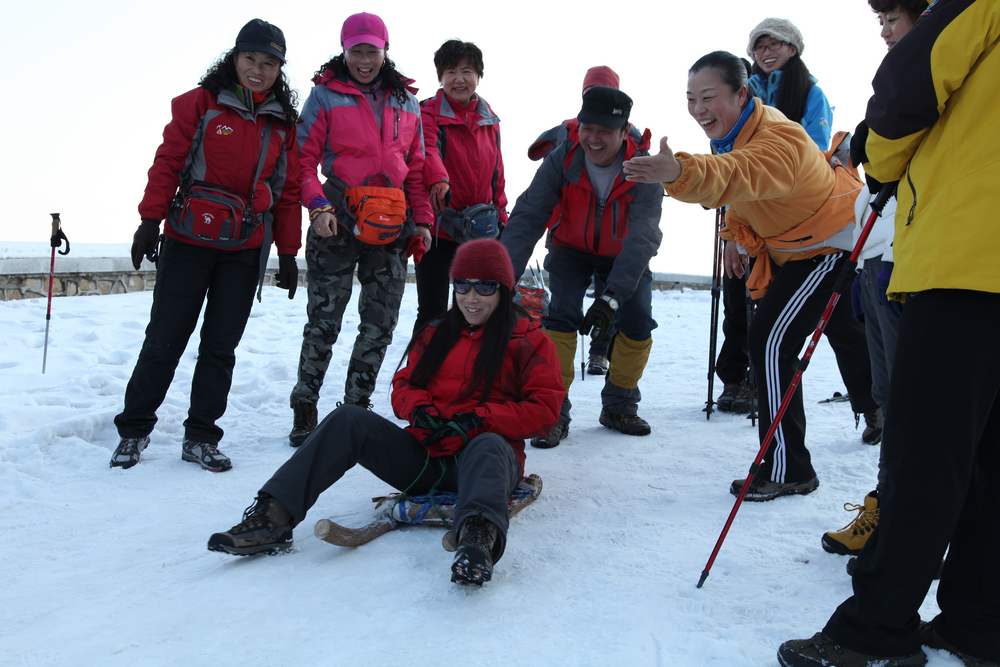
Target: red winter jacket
{"points": [[339, 135], [463, 149], [225, 135], [526, 397], [560, 198]]}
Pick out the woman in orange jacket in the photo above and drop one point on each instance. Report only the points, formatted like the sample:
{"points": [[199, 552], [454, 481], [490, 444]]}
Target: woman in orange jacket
{"points": [[790, 208]]}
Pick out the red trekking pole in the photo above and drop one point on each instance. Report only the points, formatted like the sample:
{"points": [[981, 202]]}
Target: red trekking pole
{"points": [[843, 281], [58, 236]]}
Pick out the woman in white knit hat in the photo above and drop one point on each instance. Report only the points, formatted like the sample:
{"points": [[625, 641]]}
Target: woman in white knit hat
{"points": [[782, 80]]}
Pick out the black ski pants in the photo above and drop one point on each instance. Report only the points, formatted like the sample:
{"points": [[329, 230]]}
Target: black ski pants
{"points": [[484, 474], [943, 485], [732, 362], [187, 277], [434, 282], [785, 318]]}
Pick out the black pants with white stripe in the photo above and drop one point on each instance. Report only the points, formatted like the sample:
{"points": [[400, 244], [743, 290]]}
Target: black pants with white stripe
{"points": [[785, 318]]}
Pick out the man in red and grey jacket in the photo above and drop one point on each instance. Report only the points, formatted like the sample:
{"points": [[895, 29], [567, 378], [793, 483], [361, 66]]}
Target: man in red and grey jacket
{"points": [[605, 226]]}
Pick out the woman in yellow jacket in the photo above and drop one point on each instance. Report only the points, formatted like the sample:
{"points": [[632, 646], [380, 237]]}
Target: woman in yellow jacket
{"points": [[787, 206]]}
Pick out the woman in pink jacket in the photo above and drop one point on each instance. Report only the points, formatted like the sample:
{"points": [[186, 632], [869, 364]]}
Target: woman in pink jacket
{"points": [[361, 128]]}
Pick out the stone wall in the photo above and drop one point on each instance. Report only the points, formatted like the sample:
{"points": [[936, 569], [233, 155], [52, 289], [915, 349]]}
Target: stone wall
{"points": [[28, 277]]}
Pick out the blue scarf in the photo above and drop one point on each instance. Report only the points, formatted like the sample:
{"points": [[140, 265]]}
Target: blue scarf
{"points": [[725, 144]]}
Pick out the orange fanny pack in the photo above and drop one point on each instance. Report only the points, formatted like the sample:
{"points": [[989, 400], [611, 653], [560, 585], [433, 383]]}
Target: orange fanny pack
{"points": [[378, 213]]}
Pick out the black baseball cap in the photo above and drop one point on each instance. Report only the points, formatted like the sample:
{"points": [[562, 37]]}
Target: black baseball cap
{"points": [[263, 37], [607, 107]]}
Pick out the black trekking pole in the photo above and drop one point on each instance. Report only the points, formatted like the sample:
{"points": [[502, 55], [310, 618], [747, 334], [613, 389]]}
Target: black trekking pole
{"points": [[713, 334], [751, 380], [58, 236], [842, 283]]}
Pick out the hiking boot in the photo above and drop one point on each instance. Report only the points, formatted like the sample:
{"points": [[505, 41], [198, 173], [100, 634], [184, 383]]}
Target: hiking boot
{"points": [[598, 364], [820, 650], [745, 400], [762, 490], [872, 435], [558, 433], [851, 539], [627, 424], [205, 454], [266, 528], [304, 423], [929, 636], [128, 451], [729, 393], [473, 564]]}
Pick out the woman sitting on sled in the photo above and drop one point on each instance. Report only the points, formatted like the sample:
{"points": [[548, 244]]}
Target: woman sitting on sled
{"points": [[475, 384]]}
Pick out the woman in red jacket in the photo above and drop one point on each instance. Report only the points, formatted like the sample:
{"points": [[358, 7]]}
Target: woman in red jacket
{"points": [[463, 169], [226, 180], [474, 386]]}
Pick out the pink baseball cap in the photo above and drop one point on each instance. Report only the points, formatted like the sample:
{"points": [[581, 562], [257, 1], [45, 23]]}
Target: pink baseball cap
{"points": [[364, 28]]}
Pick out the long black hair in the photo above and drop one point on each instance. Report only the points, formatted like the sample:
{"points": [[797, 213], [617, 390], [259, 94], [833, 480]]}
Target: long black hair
{"points": [[223, 75], [795, 84], [496, 334], [390, 77]]}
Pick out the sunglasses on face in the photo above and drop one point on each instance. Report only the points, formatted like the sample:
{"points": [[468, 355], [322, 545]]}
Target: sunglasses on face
{"points": [[483, 287]]}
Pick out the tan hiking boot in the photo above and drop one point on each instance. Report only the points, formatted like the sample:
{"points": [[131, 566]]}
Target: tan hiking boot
{"points": [[851, 539]]}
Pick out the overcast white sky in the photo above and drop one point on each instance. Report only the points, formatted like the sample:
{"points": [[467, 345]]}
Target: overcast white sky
{"points": [[87, 85]]}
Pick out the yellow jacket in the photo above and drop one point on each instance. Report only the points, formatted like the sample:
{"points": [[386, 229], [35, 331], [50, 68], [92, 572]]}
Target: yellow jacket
{"points": [[775, 181], [933, 128]]}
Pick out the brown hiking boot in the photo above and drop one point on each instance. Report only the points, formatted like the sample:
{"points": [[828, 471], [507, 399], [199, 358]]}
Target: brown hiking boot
{"points": [[266, 528], [624, 423], [558, 433], [851, 539], [304, 423]]}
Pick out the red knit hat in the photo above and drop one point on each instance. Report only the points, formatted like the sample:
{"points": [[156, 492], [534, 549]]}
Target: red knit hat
{"points": [[483, 259], [602, 75]]}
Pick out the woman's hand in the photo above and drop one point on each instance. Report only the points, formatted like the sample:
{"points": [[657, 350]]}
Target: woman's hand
{"points": [[325, 224], [660, 168], [734, 263], [439, 192]]}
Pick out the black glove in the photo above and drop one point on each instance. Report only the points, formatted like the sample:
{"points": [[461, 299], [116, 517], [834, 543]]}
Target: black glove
{"points": [[287, 276], [144, 242], [462, 426], [599, 319], [426, 417], [859, 155], [467, 421]]}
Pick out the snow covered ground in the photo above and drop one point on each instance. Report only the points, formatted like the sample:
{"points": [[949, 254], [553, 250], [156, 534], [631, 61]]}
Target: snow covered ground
{"points": [[109, 567]]}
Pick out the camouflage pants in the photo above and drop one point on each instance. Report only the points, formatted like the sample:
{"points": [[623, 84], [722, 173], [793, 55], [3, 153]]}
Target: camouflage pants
{"points": [[382, 273]]}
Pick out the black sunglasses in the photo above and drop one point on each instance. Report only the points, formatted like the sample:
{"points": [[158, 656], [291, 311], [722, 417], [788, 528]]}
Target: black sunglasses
{"points": [[483, 287]]}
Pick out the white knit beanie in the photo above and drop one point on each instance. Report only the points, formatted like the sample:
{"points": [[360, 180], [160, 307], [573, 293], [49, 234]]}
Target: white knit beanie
{"points": [[781, 29]]}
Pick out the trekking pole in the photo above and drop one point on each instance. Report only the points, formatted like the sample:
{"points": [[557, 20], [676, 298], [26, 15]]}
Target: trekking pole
{"points": [[58, 236], [842, 282], [751, 380], [713, 333], [583, 364]]}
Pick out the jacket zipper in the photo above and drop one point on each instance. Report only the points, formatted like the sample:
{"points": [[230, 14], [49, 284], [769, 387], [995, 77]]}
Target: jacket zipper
{"points": [[913, 189]]}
